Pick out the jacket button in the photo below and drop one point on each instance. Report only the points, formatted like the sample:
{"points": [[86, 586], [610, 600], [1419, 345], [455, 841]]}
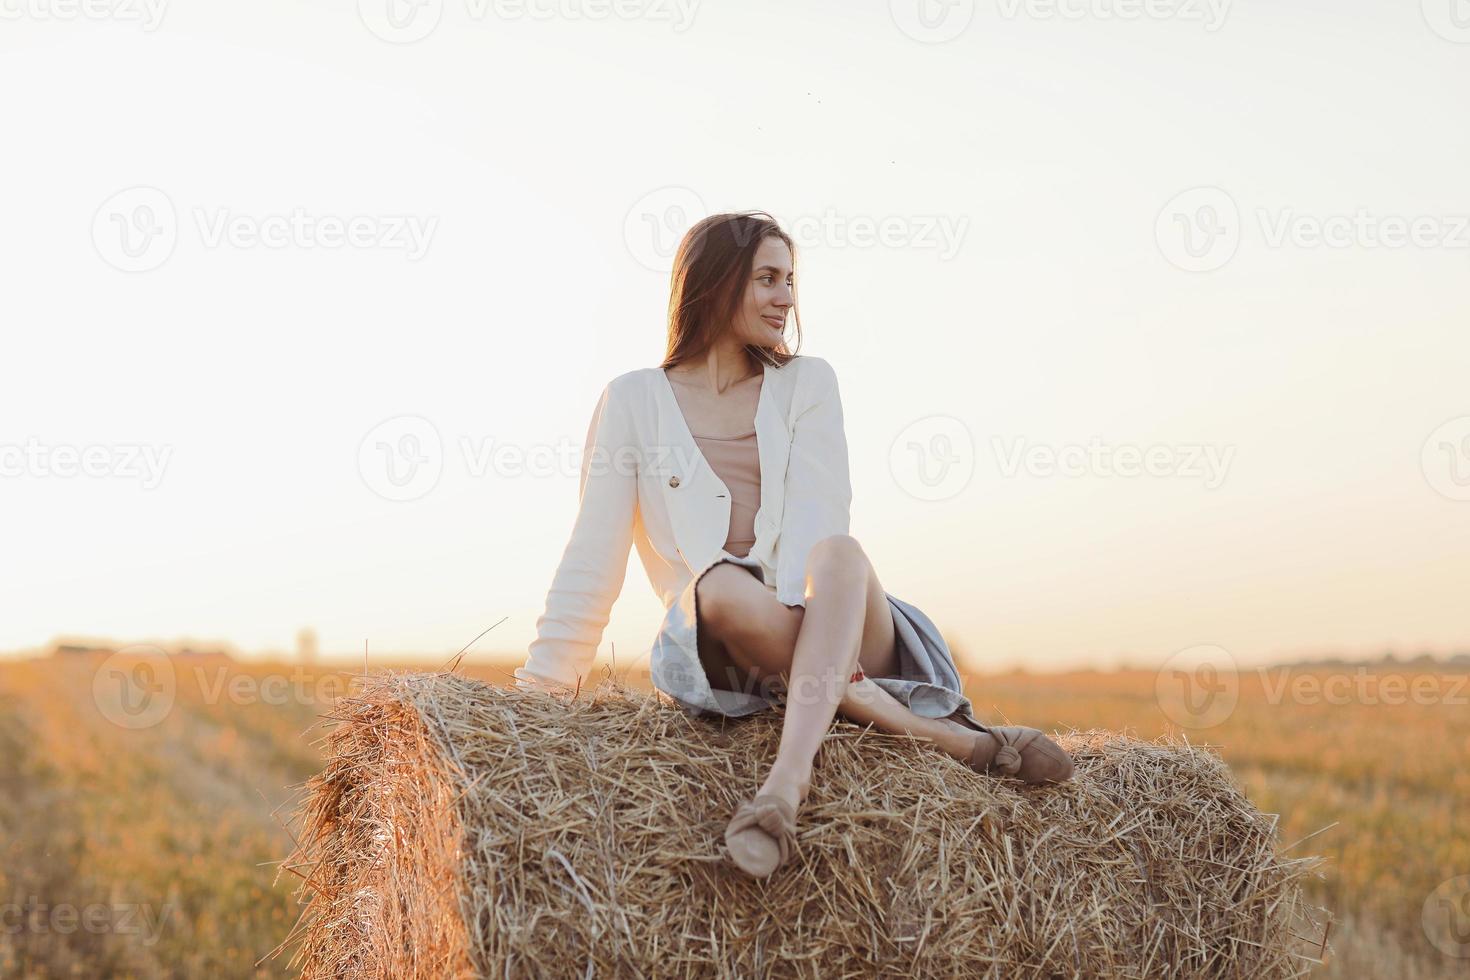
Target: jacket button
{"points": [[673, 481]]}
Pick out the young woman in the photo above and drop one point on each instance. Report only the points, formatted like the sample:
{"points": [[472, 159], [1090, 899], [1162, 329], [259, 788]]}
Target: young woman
{"points": [[727, 467]]}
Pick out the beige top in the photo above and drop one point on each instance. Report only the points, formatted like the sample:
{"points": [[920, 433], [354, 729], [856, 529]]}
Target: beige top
{"points": [[736, 461]]}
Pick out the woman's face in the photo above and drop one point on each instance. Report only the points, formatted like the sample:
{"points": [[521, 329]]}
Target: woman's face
{"points": [[762, 317]]}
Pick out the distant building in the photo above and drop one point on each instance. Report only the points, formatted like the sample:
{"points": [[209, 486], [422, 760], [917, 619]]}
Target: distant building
{"points": [[80, 650], [306, 646], [188, 650]]}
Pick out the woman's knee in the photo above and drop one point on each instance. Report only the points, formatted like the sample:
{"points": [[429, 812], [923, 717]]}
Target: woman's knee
{"points": [[713, 598]]}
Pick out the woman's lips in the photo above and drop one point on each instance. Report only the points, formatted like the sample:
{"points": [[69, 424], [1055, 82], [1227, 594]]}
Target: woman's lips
{"points": [[776, 322]]}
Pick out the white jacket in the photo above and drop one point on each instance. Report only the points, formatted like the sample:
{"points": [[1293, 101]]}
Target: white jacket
{"points": [[645, 482]]}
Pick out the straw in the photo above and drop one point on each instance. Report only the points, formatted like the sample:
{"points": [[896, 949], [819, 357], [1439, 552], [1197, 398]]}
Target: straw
{"points": [[463, 829]]}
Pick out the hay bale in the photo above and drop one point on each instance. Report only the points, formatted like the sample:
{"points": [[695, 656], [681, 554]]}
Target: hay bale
{"points": [[463, 829]]}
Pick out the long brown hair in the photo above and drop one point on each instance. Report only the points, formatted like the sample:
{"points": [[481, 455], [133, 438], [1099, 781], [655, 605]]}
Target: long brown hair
{"points": [[708, 284]]}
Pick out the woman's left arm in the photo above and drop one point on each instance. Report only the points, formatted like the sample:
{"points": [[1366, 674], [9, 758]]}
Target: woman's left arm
{"points": [[590, 576]]}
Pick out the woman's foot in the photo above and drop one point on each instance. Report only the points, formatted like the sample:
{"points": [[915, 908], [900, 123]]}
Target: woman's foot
{"points": [[762, 834], [1024, 753]]}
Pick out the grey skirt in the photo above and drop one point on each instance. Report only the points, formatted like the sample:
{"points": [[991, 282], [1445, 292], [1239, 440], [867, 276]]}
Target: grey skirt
{"points": [[928, 681]]}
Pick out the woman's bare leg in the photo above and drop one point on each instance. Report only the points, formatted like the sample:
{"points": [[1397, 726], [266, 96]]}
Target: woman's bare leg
{"points": [[847, 622]]}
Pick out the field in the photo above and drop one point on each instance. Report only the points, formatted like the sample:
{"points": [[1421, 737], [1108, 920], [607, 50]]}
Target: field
{"points": [[141, 838]]}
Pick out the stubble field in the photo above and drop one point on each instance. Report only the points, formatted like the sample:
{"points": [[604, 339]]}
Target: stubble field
{"points": [[142, 837]]}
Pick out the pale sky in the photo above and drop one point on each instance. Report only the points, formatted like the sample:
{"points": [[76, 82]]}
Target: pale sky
{"points": [[1101, 232]]}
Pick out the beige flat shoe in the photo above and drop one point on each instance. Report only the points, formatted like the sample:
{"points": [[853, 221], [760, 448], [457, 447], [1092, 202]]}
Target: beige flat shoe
{"points": [[762, 835], [1023, 753]]}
